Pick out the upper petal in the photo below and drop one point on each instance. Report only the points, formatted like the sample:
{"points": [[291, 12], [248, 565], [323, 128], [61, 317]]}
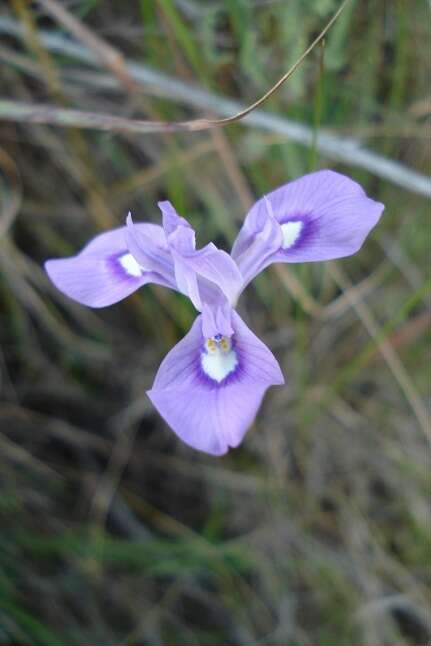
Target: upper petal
{"points": [[105, 271], [181, 240], [211, 399], [259, 239], [320, 216], [148, 245], [195, 269], [217, 319], [217, 267]]}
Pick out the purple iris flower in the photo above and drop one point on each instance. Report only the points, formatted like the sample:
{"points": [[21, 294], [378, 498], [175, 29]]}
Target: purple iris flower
{"points": [[210, 385]]}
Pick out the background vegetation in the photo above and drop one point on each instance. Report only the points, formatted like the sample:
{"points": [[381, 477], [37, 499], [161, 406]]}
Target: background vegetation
{"points": [[317, 530]]}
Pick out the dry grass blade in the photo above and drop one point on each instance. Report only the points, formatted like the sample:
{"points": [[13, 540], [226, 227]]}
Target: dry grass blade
{"points": [[411, 330], [232, 169], [62, 117], [141, 179], [421, 108], [12, 196], [107, 54], [355, 294], [20, 456], [346, 150], [243, 113], [297, 290], [388, 353], [69, 118]]}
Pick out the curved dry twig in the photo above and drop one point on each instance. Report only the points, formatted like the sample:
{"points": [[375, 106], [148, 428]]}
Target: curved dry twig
{"points": [[347, 150], [243, 113], [50, 115]]}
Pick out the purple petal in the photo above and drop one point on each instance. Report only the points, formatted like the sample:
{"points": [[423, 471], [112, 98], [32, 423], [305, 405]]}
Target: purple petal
{"points": [[209, 391], [182, 243], [209, 263], [217, 320], [217, 267], [171, 219], [257, 242], [321, 216], [105, 271], [181, 240], [147, 243]]}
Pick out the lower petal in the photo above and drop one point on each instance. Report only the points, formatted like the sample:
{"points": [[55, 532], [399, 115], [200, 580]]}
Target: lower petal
{"points": [[209, 420], [209, 390]]}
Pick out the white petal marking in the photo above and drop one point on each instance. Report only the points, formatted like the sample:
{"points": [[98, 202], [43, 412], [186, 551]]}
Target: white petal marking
{"points": [[219, 364], [130, 265], [291, 232]]}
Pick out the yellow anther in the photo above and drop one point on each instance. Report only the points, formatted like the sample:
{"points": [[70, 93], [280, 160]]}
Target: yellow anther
{"points": [[211, 345], [225, 344], [215, 345]]}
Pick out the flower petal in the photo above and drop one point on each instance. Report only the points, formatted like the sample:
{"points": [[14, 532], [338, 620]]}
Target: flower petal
{"points": [[217, 267], [258, 240], [181, 240], [147, 243], [321, 216], [105, 271], [209, 263], [217, 319], [210, 400]]}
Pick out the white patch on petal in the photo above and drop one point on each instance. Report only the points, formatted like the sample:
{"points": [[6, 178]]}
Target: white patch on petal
{"points": [[219, 360], [291, 232], [130, 265]]}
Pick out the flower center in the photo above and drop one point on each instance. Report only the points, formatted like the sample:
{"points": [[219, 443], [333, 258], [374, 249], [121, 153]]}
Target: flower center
{"points": [[218, 358]]}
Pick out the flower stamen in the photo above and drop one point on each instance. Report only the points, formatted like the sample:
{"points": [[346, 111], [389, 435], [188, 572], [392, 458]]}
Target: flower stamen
{"points": [[219, 358]]}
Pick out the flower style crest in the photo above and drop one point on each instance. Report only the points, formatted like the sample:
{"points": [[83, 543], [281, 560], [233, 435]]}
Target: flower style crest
{"points": [[210, 385]]}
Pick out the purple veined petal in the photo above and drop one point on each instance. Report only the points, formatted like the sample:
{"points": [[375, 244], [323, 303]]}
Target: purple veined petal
{"points": [[322, 216], [147, 244], [106, 241], [217, 319], [217, 267], [181, 240], [105, 271], [209, 390], [212, 264], [171, 219], [257, 242]]}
